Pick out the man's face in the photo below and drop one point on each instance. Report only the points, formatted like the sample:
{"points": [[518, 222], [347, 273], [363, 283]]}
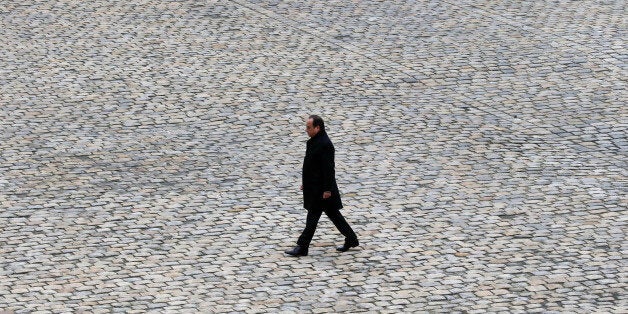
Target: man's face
{"points": [[310, 129]]}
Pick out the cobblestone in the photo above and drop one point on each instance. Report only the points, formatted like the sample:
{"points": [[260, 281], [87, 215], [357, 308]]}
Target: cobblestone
{"points": [[150, 155]]}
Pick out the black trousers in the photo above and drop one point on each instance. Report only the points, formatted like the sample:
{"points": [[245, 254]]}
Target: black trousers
{"points": [[312, 220]]}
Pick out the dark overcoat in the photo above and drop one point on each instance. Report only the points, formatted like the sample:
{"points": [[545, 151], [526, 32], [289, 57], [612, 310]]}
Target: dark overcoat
{"points": [[319, 174]]}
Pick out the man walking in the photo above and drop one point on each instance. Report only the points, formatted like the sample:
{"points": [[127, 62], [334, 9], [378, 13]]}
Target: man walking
{"points": [[320, 191]]}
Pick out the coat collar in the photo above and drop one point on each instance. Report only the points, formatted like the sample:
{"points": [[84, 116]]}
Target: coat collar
{"points": [[319, 135]]}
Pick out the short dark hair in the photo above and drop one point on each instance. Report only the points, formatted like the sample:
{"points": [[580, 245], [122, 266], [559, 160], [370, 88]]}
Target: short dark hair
{"points": [[317, 121]]}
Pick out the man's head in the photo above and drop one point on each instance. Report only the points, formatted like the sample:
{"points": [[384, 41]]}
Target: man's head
{"points": [[314, 125]]}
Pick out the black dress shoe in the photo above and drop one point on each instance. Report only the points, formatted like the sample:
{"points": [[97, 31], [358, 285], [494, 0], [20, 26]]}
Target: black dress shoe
{"points": [[297, 251], [348, 244]]}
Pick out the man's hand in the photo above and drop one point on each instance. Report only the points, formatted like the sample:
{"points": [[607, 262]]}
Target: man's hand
{"points": [[326, 195]]}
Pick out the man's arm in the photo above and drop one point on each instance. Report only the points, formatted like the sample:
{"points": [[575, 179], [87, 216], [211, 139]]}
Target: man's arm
{"points": [[328, 170]]}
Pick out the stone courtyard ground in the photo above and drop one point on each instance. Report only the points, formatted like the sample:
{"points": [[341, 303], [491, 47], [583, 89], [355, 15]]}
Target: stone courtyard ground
{"points": [[150, 155]]}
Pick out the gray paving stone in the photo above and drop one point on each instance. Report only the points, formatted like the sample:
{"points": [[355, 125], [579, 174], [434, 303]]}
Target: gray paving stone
{"points": [[150, 154]]}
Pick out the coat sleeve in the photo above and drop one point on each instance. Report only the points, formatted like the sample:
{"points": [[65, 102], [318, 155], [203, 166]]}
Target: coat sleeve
{"points": [[328, 168]]}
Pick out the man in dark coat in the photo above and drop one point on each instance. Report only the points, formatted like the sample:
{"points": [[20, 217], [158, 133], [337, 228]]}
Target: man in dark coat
{"points": [[320, 191]]}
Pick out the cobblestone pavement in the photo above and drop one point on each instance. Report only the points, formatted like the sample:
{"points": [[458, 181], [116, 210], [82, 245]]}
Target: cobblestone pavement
{"points": [[150, 155]]}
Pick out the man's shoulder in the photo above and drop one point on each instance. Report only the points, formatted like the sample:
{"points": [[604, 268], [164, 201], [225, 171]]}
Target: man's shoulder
{"points": [[327, 146], [325, 141]]}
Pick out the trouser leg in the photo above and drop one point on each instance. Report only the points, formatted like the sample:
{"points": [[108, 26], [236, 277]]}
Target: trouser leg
{"points": [[310, 227], [341, 224]]}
